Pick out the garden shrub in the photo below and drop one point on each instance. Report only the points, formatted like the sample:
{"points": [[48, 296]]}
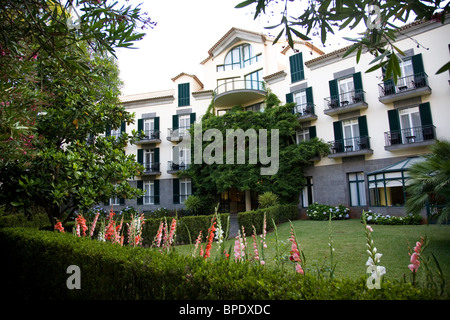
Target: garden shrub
{"points": [[318, 211], [278, 213], [267, 199], [187, 227], [20, 220], [377, 218], [36, 264]]}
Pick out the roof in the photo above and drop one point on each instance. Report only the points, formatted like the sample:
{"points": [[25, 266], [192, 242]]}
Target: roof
{"points": [[403, 165], [189, 75]]}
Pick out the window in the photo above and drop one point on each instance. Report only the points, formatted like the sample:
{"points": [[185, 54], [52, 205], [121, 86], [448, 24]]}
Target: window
{"points": [[307, 193], [116, 133], [357, 189], [149, 127], [181, 158], [300, 100], [185, 189], [296, 65], [254, 80], [184, 123], [149, 192], [149, 158], [114, 200], [409, 124], [407, 73], [351, 132], [183, 94], [346, 90], [239, 57], [303, 135], [255, 107]]}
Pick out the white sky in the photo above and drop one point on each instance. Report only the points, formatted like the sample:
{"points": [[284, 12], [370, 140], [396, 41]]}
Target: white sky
{"points": [[185, 32]]}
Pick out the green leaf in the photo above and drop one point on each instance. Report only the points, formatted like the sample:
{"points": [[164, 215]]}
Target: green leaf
{"points": [[444, 68], [245, 3]]}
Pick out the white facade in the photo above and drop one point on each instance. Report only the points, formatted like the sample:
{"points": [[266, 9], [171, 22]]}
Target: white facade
{"points": [[368, 126]]}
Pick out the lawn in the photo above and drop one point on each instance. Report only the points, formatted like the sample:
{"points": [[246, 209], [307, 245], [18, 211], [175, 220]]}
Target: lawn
{"points": [[349, 243]]}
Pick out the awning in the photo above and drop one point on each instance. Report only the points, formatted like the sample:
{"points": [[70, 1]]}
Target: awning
{"points": [[394, 175]]}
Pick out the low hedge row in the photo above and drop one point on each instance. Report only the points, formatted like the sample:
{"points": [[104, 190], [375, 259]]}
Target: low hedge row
{"points": [[187, 228], [36, 263], [279, 214]]}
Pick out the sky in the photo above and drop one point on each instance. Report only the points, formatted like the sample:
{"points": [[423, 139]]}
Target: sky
{"points": [[185, 31]]}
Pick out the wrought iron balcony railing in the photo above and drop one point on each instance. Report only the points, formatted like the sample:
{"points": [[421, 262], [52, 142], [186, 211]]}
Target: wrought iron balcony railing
{"points": [[350, 144], [151, 135], [410, 135], [174, 167], [151, 168], [344, 99], [416, 81], [302, 110]]}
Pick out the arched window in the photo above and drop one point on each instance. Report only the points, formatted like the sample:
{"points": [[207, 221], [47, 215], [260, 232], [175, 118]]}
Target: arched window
{"points": [[239, 57]]}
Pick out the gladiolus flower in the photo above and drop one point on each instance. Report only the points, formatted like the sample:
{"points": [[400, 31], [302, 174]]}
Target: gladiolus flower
{"points": [[59, 227]]}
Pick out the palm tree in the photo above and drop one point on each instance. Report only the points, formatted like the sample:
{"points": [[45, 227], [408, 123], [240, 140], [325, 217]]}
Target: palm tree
{"points": [[430, 181]]}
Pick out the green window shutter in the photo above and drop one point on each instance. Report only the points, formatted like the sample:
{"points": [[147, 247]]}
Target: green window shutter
{"points": [[363, 132], [184, 94], [425, 114], [192, 117], [140, 125], [108, 131], [156, 154], [310, 99], [417, 63], [175, 122], [121, 201], [176, 191], [334, 93], [357, 82], [419, 71], [140, 185], [296, 64], [156, 123], [389, 85], [289, 97], [140, 156], [156, 195], [338, 136], [123, 127], [312, 132], [394, 126]]}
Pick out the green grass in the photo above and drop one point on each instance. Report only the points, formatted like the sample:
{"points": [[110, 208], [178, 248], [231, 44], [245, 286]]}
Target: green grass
{"points": [[349, 243]]}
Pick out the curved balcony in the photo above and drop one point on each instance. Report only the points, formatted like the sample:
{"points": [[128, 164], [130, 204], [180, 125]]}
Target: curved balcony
{"points": [[238, 92]]}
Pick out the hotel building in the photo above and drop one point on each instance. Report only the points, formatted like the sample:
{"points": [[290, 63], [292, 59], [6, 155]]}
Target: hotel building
{"points": [[375, 129]]}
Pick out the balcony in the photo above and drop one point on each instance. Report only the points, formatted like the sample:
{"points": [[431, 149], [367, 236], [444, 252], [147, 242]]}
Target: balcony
{"points": [[238, 92], [345, 102], [151, 136], [407, 87], [173, 167], [151, 169], [304, 112], [350, 147], [177, 135], [410, 138]]}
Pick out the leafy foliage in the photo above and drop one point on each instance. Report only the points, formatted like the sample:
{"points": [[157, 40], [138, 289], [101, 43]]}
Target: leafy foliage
{"points": [[212, 179], [430, 181], [321, 17]]}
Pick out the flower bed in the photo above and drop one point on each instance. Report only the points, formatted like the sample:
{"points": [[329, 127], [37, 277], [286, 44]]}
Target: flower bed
{"points": [[318, 211], [377, 218]]}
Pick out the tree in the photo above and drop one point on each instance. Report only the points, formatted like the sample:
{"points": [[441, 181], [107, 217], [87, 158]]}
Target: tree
{"points": [[430, 181], [321, 17], [60, 94], [215, 178]]}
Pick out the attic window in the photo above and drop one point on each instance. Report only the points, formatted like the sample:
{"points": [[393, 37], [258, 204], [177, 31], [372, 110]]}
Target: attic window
{"points": [[239, 57]]}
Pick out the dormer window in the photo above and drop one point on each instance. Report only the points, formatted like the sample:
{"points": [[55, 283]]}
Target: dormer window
{"points": [[239, 57]]}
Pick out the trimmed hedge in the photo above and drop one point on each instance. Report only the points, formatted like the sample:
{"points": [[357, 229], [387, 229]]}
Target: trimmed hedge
{"points": [[192, 223], [279, 214], [36, 263]]}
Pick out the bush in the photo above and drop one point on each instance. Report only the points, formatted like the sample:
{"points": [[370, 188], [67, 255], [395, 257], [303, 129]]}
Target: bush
{"points": [[318, 211], [20, 220], [36, 263], [279, 214], [267, 199], [187, 227], [377, 218]]}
